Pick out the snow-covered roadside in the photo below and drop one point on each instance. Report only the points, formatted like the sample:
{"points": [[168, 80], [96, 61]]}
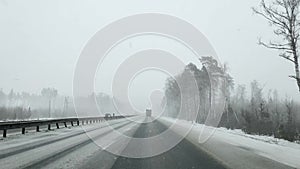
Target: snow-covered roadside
{"points": [[268, 139], [229, 144], [48, 145], [37, 119], [18, 139]]}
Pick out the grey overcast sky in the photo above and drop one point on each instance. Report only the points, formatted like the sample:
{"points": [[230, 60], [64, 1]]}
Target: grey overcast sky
{"points": [[41, 40]]}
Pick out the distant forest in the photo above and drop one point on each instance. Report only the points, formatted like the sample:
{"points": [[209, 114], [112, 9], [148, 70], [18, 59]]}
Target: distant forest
{"points": [[262, 113], [48, 104]]}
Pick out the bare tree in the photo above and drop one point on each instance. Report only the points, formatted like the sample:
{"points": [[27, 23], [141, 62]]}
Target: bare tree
{"points": [[283, 15]]}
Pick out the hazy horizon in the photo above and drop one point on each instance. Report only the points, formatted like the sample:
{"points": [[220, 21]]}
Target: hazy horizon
{"points": [[43, 40]]}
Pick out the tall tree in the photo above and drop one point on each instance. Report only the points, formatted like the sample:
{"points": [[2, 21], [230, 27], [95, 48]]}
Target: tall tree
{"points": [[256, 97], [50, 94], [227, 88], [173, 97], [283, 15], [213, 70], [229, 82], [2, 97], [11, 97]]}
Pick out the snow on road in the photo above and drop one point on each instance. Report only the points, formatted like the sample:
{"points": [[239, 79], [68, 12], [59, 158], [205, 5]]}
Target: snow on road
{"points": [[230, 146], [68, 147]]}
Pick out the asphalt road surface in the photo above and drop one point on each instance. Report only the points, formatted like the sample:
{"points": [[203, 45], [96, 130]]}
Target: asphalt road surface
{"points": [[73, 148], [185, 155]]}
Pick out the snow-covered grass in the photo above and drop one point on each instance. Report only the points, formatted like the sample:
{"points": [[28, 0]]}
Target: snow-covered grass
{"points": [[268, 139], [279, 150]]}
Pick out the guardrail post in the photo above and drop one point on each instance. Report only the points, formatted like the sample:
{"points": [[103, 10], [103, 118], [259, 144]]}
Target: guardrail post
{"points": [[77, 123], [49, 126], [4, 132], [57, 125], [23, 130], [72, 123], [65, 124], [37, 128]]}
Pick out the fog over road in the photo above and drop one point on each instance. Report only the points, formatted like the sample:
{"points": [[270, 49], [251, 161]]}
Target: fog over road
{"points": [[73, 148]]}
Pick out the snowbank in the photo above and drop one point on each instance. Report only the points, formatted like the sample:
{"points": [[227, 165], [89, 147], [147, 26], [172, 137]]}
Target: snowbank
{"points": [[279, 150]]}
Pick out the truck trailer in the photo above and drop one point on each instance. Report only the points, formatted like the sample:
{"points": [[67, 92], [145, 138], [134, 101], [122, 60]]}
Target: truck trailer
{"points": [[148, 112]]}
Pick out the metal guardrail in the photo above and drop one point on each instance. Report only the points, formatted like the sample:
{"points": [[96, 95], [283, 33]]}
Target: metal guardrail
{"points": [[4, 126]]}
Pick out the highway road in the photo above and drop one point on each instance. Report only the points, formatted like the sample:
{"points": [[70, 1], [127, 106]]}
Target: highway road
{"points": [[73, 148], [183, 156]]}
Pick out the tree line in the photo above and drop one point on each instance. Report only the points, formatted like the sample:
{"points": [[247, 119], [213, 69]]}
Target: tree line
{"points": [[257, 112], [47, 104]]}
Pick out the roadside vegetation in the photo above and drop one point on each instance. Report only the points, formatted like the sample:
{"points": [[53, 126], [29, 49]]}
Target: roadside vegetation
{"points": [[256, 111]]}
